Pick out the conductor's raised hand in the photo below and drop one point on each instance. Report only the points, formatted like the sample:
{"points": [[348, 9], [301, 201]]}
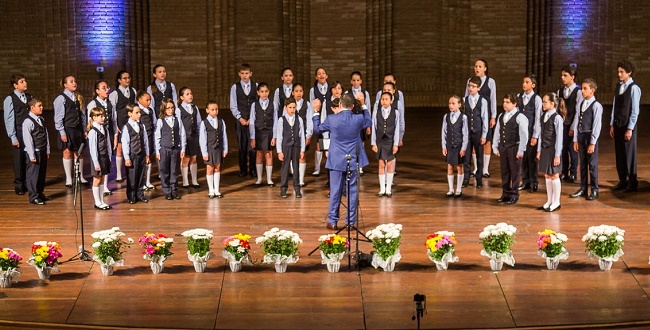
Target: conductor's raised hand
{"points": [[361, 97], [317, 105]]}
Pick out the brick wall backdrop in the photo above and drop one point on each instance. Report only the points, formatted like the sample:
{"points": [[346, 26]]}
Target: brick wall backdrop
{"points": [[429, 45]]}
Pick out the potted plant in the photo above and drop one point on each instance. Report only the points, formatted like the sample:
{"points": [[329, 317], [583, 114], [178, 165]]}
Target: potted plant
{"points": [[386, 239], [9, 261], [550, 246], [156, 248], [497, 241], [109, 247], [440, 248], [604, 242], [332, 249], [236, 250], [198, 247], [280, 247], [45, 258]]}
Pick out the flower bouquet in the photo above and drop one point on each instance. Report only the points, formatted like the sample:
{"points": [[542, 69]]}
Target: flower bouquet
{"points": [[280, 247], [198, 247], [9, 261], [109, 247], [604, 242], [236, 250], [332, 249], [551, 247], [45, 257], [156, 250], [386, 240], [440, 247], [497, 241]]}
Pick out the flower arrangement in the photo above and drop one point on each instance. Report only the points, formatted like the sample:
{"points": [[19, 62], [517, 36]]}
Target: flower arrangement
{"points": [[9, 259], [198, 241], [45, 254], [604, 241], [155, 245], [386, 239], [440, 243], [332, 244], [498, 238], [279, 242], [108, 245], [237, 246], [551, 243]]}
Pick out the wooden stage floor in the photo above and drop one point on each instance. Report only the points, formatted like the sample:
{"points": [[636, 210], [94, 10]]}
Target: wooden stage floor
{"points": [[468, 295]]}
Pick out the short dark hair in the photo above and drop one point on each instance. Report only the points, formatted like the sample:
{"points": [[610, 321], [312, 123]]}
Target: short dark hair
{"points": [[591, 82], [532, 78], [15, 78], [356, 73], [627, 66], [475, 80], [33, 101], [244, 67], [289, 100], [512, 97], [347, 101], [573, 71]]}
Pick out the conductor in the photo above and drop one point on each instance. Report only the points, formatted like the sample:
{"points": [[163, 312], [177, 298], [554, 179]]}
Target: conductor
{"points": [[345, 143]]}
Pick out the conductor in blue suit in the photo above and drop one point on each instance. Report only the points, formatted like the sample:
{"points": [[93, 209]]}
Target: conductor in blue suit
{"points": [[345, 142]]}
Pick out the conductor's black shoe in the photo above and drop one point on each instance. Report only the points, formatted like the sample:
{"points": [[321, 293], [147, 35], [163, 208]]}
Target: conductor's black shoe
{"points": [[593, 195], [38, 201], [502, 199], [620, 186], [331, 226], [524, 186], [253, 174], [579, 193]]}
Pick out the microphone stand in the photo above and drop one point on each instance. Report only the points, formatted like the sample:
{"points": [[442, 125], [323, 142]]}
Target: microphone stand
{"points": [[83, 254]]}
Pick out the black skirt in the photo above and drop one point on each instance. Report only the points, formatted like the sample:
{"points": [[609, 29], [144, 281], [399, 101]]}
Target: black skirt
{"points": [[546, 161], [104, 164], [75, 137], [454, 157], [192, 147], [385, 150], [263, 140], [214, 156]]}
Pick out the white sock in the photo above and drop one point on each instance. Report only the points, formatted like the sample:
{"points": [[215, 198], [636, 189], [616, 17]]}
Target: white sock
{"points": [[389, 182], [474, 161], [98, 201], [557, 191], [450, 180], [101, 194], [106, 183], [259, 168], [459, 182], [291, 168], [269, 173], [67, 168], [486, 163], [210, 184], [194, 169], [395, 164], [549, 193], [184, 174], [382, 183], [119, 161], [318, 156], [148, 184], [81, 170], [217, 178], [302, 168]]}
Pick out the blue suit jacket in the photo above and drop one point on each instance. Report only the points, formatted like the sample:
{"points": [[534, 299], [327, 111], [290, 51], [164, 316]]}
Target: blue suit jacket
{"points": [[345, 139]]}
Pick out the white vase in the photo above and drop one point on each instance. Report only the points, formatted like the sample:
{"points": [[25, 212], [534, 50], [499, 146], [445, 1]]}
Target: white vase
{"points": [[552, 263], [605, 264], [281, 267], [199, 266], [332, 261], [387, 265], [496, 264], [235, 266], [5, 280], [334, 267], [107, 270], [442, 265], [44, 273]]}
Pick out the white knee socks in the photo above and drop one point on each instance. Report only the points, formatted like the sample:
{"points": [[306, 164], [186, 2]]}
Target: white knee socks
{"points": [[450, 180], [193, 170], [557, 191], [269, 172], [119, 161], [486, 163], [259, 168], [549, 193], [209, 179], [389, 182], [184, 171], [318, 156], [382, 183], [459, 183], [302, 168], [67, 168]]}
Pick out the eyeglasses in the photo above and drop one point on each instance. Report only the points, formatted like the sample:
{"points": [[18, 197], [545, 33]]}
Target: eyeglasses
{"points": [[472, 86]]}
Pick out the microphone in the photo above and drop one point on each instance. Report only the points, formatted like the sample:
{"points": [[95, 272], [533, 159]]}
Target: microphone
{"points": [[348, 157]]}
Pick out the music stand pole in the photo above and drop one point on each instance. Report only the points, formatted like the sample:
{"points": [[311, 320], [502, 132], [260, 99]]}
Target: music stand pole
{"points": [[83, 254]]}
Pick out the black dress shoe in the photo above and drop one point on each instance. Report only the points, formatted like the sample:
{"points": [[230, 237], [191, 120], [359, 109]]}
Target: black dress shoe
{"points": [[303, 184], [104, 207], [570, 179], [331, 226], [68, 185], [169, 197], [45, 198], [132, 201], [108, 193], [620, 186], [38, 201], [20, 191], [242, 174], [449, 194], [186, 186], [471, 175], [524, 186], [458, 195], [579, 193], [119, 181], [512, 201], [142, 199], [553, 209], [486, 175], [631, 188], [533, 188], [196, 185], [298, 193], [253, 174], [479, 185], [218, 195], [503, 199], [175, 195], [389, 194], [593, 195], [465, 184], [542, 208], [283, 193]]}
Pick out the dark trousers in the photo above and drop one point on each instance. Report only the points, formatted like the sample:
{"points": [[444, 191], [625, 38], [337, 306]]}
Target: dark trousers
{"points": [[510, 171], [19, 165], [625, 156], [291, 156], [588, 162], [168, 168], [530, 164], [246, 153], [35, 174], [135, 177], [474, 143], [337, 185], [569, 156]]}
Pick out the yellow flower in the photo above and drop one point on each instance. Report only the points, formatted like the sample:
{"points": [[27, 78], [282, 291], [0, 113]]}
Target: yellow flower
{"points": [[547, 232], [38, 258]]}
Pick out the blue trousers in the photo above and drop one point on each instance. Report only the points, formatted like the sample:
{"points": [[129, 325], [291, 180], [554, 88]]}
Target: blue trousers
{"points": [[337, 185]]}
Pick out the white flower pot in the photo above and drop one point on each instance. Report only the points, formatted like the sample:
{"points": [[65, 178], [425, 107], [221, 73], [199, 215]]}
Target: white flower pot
{"points": [[334, 267], [5, 280], [387, 265], [235, 266], [605, 264], [107, 270], [333, 261], [44, 273], [157, 263], [496, 264], [443, 263], [281, 267], [199, 266], [552, 263]]}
